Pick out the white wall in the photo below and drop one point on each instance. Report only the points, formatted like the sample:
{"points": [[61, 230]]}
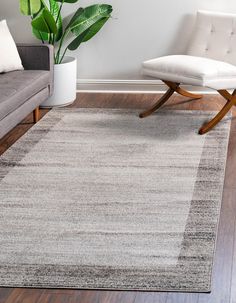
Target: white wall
{"points": [[138, 31]]}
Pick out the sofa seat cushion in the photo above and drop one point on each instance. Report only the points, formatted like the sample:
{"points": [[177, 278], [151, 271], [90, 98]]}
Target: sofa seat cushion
{"points": [[192, 70], [18, 86]]}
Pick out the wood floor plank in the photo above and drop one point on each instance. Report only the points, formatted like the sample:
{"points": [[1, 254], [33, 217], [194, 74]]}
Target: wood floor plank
{"points": [[151, 297], [233, 277], [224, 271], [182, 298], [24, 295], [108, 296], [222, 268], [70, 296], [18, 131], [4, 294], [57, 298], [230, 179]]}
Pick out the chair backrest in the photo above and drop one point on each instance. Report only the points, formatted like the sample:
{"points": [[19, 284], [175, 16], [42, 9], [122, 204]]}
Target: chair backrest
{"points": [[214, 37]]}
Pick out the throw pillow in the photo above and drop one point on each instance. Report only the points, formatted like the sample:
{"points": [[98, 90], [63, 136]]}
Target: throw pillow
{"points": [[9, 56]]}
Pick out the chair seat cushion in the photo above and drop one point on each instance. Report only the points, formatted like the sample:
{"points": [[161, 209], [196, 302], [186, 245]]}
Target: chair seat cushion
{"points": [[192, 70], [18, 86]]}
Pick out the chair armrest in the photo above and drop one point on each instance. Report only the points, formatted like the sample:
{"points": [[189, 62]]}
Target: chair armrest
{"points": [[37, 57]]}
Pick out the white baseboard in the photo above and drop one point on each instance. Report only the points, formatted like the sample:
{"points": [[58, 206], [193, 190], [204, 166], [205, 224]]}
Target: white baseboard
{"points": [[130, 86]]}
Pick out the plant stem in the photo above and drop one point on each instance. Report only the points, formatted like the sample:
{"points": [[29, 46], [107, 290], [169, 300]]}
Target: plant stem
{"points": [[51, 36], [41, 37], [59, 12], [51, 39], [63, 55], [44, 3], [57, 18], [60, 46]]}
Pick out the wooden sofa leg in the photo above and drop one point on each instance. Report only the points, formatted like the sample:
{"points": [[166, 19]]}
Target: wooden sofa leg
{"points": [[36, 114]]}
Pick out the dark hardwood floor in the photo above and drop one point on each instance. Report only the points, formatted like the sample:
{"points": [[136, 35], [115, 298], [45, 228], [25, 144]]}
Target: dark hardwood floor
{"points": [[224, 272]]}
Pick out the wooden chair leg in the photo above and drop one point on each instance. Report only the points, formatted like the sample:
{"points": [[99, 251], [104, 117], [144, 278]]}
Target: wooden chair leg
{"points": [[231, 101], [173, 87], [159, 103], [36, 115], [181, 91]]}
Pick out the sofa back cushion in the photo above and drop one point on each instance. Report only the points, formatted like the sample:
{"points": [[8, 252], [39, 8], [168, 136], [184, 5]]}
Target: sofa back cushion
{"points": [[9, 56]]}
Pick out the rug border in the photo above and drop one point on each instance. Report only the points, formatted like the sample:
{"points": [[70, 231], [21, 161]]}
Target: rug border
{"points": [[51, 114]]}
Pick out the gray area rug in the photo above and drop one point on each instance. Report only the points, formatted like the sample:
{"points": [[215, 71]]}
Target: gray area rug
{"points": [[101, 199]]}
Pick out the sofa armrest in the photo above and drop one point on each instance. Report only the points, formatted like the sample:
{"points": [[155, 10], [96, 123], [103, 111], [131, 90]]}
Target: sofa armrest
{"points": [[37, 57]]}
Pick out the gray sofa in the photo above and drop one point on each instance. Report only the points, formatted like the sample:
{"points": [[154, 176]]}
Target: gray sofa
{"points": [[21, 92]]}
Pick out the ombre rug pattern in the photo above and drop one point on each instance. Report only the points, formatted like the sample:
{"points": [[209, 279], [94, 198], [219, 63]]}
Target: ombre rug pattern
{"points": [[99, 199]]}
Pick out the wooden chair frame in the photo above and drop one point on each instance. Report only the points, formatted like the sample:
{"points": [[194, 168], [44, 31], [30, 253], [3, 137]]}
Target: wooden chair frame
{"points": [[175, 87]]}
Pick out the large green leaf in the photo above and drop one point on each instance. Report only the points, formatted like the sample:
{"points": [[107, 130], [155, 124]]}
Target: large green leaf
{"points": [[77, 41], [94, 29], [44, 22], [55, 11], [88, 34], [30, 7], [90, 16], [75, 17], [40, 35], [85, 23]]}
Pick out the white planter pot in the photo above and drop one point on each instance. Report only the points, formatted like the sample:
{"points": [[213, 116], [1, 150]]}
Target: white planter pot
{"points": [[64, 92]]}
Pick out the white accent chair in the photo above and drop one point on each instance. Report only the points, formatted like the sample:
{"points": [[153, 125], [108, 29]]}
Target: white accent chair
{"points": [[210, 61]]}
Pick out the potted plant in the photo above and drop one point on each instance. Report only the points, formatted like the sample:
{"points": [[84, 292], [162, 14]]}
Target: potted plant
{"points": [[49, 27]]}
